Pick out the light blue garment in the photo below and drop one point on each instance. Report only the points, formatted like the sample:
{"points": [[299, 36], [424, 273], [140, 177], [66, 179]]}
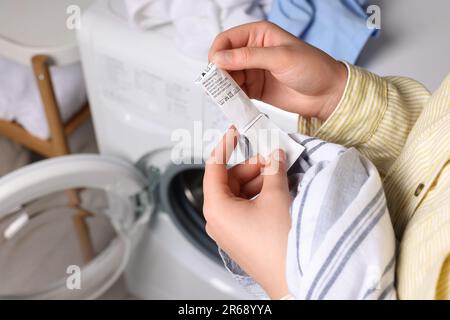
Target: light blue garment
{"points": [[337, 27]]}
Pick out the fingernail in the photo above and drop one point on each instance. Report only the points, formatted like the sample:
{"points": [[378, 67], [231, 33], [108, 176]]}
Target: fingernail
{"points": [[212, 158], [232, 133], [261, 159], [278, 155], [223, 57]]}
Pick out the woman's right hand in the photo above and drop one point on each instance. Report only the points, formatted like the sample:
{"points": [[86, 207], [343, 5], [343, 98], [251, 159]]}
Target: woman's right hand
{"points": [[272, 65]]}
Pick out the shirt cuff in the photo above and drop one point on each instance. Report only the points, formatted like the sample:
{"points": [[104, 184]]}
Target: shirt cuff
{"points": [[242, 277], [359, 112]]}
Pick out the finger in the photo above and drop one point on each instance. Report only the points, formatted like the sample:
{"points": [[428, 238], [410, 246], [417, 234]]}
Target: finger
{"points": [[224, 149], [252, 188], [238, 76], [236, 37], [274, 173], [215, 180], [256, 34], [254, 83], [250, 169], [274, 59]]}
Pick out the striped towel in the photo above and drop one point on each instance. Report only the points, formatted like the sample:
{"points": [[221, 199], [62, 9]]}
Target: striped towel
{"points": [[341, 244]]}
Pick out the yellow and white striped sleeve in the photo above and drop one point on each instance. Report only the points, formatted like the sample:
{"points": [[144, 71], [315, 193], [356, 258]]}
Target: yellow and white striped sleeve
{"points": [[375, 115]]}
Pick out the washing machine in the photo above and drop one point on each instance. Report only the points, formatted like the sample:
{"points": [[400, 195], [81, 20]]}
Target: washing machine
{"points": [[148, 226]]}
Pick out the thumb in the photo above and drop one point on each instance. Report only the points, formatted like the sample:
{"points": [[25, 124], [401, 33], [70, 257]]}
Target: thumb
{"points": [[274, 173], [268, 58]]}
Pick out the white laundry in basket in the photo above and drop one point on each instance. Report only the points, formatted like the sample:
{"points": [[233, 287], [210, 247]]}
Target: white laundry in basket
{"points": [[197, 22]]}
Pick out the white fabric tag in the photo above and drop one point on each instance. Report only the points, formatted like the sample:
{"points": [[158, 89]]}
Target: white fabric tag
{"points": [[263, 135]]}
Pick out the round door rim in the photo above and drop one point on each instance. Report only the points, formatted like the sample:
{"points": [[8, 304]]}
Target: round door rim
{"points": [[73, 171], [93, 171]]}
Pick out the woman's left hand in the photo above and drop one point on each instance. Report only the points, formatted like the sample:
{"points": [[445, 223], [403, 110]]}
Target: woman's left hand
{"points": [[252, 231]]}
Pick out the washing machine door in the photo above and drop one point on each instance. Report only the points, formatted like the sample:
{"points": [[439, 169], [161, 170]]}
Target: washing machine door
{"points": [[68, 226]]}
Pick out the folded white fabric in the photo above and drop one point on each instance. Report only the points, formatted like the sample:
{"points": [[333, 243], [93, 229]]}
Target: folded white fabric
{"points": [[341, 244], [20, 100], [197, 22]]}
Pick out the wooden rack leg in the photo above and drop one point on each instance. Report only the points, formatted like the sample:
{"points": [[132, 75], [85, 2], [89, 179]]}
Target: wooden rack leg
{"points": [[58, 139], [59, 147], [84, 236], [81, 225]]}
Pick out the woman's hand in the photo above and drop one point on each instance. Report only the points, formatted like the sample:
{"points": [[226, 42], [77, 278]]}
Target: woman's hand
{"points": [[252, 231], [272, 65]]}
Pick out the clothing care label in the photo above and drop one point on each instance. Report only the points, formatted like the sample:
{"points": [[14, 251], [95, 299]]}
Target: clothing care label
{"points": [[262, 134]]}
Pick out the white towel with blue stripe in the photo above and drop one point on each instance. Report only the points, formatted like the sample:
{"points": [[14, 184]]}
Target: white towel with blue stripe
{"points": [[341, 244]]}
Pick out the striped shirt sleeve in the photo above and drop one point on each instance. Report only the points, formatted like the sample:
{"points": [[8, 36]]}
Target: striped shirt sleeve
{"points": [[375, 115], [403, 130]]}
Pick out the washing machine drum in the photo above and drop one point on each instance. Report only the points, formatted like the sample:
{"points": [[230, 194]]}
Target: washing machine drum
{"points": [[181, 195], [68, 226]]}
